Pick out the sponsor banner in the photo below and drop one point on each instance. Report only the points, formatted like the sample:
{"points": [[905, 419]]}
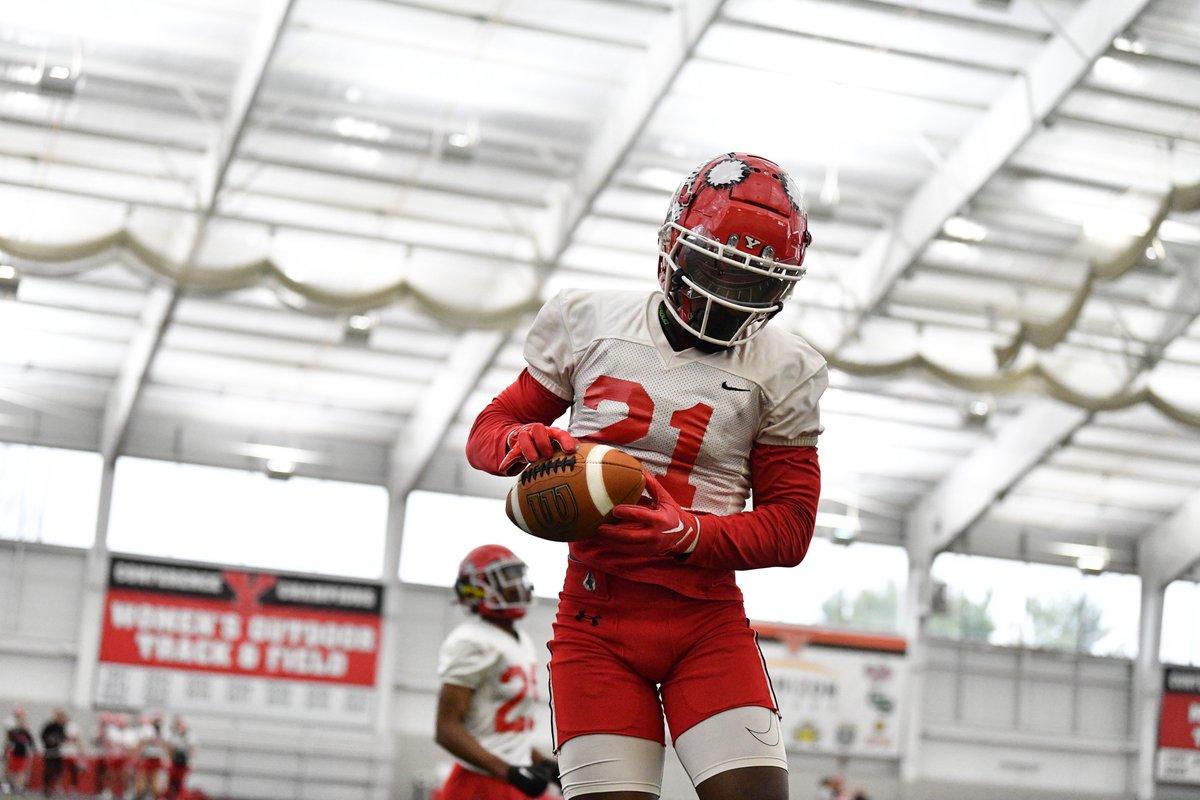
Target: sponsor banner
{"points": [[1179, 727], [838, 694], [235, 632]]}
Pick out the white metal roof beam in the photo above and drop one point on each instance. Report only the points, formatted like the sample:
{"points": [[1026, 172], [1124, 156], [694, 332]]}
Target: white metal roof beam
{"points": [[1024, 104], [1170, 550], [161, 303], [990, 471], [628, 117], [417, 442]]}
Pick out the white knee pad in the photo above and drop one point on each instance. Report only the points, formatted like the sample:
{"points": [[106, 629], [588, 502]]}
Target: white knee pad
{"points": [[741, 737], [605, 762]]}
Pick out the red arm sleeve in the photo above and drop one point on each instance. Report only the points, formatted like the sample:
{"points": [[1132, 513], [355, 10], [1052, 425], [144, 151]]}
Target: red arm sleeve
{"points": [[786, 482], [525, 400]]}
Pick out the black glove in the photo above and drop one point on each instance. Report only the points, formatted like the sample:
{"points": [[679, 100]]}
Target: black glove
{"points": [[528, 781], [548, 769]]}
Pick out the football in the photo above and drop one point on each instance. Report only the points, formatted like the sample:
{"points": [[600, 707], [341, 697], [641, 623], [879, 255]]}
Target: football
{"points": [[564, 498]]}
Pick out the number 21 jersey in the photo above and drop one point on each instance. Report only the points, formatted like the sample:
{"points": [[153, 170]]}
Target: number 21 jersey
{"points": [[691, 417]]}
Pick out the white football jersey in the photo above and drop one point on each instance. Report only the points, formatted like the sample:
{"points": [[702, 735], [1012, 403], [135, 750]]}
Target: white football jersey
{"points": [[502, 672], [690, 417]]}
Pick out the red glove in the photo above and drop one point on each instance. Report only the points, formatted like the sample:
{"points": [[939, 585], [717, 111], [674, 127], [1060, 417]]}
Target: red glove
{"points": [[661, 528], [533, 441]]}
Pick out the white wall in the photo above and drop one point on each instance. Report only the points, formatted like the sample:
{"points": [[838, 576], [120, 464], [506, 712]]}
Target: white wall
{"points": [[1046, 725]]}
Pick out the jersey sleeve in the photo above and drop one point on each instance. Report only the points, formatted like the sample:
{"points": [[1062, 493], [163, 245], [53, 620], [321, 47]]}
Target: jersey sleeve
{"points": [[786, 482], [525, 400], [465, 662], [549, 350], [795, 419]]}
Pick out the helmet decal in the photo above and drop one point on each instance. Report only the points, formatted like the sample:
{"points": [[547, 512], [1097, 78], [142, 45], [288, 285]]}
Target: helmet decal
{"points": [[794, 192], [727, 173]]}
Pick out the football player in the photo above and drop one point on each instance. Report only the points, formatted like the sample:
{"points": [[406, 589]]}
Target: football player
{"points": [[488, 674], [718, 405]]}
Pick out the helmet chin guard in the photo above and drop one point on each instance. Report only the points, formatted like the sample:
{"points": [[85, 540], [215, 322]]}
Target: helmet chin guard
{"points": [[732, 248]]}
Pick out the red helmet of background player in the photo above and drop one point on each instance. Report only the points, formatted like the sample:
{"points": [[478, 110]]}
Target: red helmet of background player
{"points": [[492, 582], [732, 247]]}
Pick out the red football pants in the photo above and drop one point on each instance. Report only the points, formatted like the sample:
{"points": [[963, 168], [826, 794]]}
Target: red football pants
{"points": [[625, 652]]}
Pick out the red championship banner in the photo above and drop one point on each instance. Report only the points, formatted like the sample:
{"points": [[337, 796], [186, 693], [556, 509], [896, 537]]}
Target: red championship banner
{"points": [[1179, 727], [200, 636]]}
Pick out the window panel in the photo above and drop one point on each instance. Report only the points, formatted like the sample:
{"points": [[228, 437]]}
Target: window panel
{"points": [[1036, 605], [1181, 608], [440, 528], [231, 516], [49, 495]]}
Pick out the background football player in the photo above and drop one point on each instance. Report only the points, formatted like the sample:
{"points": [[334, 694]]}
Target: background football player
{"points": [[488, 673], [717, 405]]}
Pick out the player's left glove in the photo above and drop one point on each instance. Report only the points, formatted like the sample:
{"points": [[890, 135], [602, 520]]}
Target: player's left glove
{"points": [[548, 769], [660, 528], [529, 782]]}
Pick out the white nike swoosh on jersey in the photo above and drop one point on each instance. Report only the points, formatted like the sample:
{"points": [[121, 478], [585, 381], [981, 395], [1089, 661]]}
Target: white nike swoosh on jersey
{"points": [[676, 529]]}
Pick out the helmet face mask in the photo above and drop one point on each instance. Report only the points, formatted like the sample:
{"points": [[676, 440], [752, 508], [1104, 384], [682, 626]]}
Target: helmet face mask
{"points": [[732, 248], [493, 583]]}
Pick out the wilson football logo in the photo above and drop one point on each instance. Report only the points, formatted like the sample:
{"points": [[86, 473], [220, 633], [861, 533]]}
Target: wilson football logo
{"points": [[554, 507]]}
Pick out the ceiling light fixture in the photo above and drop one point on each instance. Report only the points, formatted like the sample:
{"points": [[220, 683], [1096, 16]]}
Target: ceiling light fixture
{"points": [[1129, 42], [461, 143], [1156, 251], [10, 279], [964, 229], [978, 411], [355, 128], [280, 469], [358, 328], [1091, 564], [59, 79]]}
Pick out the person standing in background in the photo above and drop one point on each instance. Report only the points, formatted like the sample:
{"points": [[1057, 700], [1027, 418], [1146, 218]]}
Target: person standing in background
{"points": [[72, 753], [488, 674], [148, 760], [19, 748], [119, 742], [181, 746], [54, 736]]}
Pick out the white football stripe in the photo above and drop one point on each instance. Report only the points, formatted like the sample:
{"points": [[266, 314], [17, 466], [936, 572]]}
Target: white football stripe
{"points": [[595, 479], [514, 500]]}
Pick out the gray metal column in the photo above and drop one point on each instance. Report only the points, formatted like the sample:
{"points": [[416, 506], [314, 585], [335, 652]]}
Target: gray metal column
{"points": [[1147, 680], [919, 544], [91, 606]]}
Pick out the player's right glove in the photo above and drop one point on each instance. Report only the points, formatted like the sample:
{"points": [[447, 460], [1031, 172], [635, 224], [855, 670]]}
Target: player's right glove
{"points": [[658, 528], [529, 782], [533, 441]]}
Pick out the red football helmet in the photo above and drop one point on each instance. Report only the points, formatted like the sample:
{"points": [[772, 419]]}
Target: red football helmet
{"points": [[492, 582], [732, 247]]}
